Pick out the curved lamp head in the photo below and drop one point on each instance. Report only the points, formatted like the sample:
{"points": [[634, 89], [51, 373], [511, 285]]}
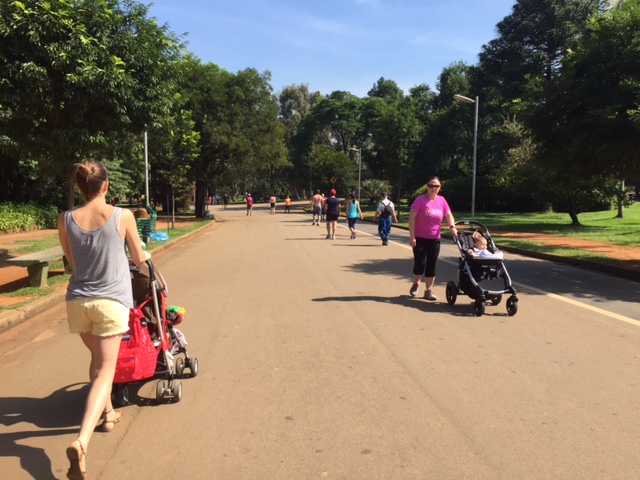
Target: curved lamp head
{"points": [[463, 99]]}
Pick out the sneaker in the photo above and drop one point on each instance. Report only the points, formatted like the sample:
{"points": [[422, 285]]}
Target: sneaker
{"points": [[333, 237], [385, 241], [328, 237], [354, 235], [428, 295], [414, 289]]}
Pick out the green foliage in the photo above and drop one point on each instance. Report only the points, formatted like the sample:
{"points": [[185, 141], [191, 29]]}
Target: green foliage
{"points": [[327, 163], [372, 189], [83, 69], [18, 218], [590, 114]]}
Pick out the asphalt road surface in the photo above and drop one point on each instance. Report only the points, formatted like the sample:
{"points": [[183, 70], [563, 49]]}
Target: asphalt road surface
{"points": [[315, 363]]}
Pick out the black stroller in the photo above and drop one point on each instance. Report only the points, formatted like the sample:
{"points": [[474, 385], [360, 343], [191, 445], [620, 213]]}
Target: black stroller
{"points": [[482, 278]]}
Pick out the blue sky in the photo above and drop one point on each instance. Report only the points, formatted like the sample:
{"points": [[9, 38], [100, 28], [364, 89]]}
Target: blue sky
{"points": [[336, 44]]}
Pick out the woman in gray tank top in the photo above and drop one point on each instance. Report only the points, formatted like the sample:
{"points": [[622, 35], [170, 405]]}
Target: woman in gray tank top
{"points": [[99, 297]]}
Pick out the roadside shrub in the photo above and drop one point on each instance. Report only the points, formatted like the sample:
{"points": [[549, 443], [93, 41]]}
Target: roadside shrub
{"points": [[489, 196], [370, 190], [21, 218]]}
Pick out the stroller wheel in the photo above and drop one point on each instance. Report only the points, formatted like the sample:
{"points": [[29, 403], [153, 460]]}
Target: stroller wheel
{"points": [[177, 391], [451, 292], [122, 397], [478, 308], [192, 363], [179, 366], [160, 391], [512, 306], [496, 300]]}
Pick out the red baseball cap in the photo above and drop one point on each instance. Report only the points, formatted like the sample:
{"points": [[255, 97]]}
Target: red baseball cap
{"points": [[333, 192]]}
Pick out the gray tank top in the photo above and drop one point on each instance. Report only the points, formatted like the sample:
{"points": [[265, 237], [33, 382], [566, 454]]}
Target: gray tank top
{"points": [[101, 267]]}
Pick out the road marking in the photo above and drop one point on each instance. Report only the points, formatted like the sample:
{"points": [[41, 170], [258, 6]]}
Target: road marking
{"points": [[585, 306]]}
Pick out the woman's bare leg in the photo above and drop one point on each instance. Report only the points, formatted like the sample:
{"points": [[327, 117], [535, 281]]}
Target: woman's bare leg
{"points": [[104, 354]]}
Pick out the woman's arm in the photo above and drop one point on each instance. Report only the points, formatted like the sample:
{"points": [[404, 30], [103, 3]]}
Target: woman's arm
{"points": [[132, 238], [412, 224], [64, 240], [451, 221]]}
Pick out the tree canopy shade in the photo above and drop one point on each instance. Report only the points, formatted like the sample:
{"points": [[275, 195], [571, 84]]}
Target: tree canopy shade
{"points": [[75, 71]]}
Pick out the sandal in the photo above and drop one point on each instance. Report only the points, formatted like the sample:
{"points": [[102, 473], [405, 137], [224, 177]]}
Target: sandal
{"points": [[77, 456], [108, 425]]}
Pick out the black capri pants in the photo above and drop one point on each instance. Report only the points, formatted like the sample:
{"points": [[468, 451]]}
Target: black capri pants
{"points": [[425, 256]]}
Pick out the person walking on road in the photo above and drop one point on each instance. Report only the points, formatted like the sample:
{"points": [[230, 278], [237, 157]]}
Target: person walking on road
{"points": [[249, 204], [353, 213], [272, 204], [225, 200], [332, 213], [99, 295], [316, 208], [287, 204], [425, 221], [385, 213]]}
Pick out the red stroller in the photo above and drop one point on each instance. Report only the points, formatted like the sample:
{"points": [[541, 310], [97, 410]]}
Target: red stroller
{"points": [[153, 347]]}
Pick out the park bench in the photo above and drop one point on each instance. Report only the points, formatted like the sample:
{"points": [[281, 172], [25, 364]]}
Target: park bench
{"points": [[147, 225], [37, 264]]}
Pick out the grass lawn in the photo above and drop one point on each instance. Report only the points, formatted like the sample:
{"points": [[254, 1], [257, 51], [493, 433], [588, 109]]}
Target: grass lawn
{"points": [[602, 227], [596, 226]]}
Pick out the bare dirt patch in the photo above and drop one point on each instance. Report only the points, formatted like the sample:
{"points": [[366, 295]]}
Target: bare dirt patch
{"points": [[629, 255]]}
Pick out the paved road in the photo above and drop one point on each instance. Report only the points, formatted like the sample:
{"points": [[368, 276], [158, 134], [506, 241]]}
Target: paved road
{"points": [[315, 363]]}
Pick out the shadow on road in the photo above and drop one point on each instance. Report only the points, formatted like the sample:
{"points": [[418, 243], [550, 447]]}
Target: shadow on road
{"points": [[462, 310], [57, 414]]}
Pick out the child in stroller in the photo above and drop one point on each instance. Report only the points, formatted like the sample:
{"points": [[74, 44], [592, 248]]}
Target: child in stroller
{"points": [[482, 274], [481, 248]]}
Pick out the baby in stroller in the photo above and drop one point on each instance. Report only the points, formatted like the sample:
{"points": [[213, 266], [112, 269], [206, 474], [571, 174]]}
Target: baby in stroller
{"points": [[482, 274], [481, 248]]}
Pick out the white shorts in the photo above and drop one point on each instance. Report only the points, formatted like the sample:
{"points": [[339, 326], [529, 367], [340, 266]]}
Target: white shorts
{"points": [[100, 316]]}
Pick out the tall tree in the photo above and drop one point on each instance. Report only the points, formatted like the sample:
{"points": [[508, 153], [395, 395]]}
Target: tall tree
{"points": [[387, 90], [589, 125], [531, 42], [296, 103], [76, 70], [205, 88]]}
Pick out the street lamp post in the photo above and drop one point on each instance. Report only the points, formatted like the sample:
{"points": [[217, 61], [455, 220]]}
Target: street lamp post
{"points": [[476, 102], [359, 168], [146, 170]]}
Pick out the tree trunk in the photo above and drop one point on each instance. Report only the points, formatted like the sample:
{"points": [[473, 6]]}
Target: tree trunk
{"points": [[621, 198], [201, 198], [574, 219]]}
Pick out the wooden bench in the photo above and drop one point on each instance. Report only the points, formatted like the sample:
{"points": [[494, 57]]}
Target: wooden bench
{"points": [[37, 264]]}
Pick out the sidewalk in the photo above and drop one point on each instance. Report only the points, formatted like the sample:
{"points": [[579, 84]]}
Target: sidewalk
{"points": [[12, 278]]}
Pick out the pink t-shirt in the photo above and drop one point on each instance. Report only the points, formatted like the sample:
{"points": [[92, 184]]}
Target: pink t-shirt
{"points": [[430, 215]]}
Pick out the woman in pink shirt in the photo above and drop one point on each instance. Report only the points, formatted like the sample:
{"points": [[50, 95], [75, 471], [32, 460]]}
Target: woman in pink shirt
{"points": [[425, 220]]}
